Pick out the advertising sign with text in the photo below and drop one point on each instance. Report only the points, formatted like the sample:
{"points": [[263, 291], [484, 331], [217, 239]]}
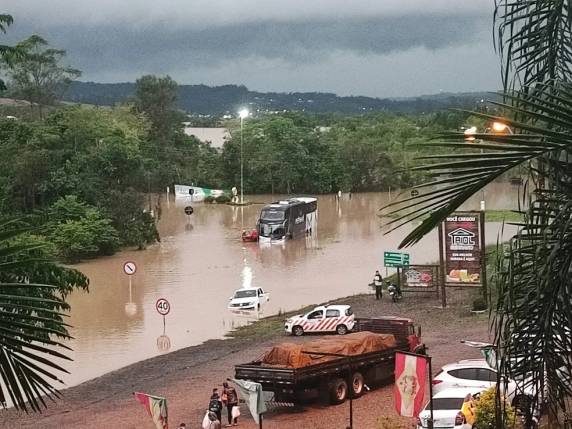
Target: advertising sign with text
{"points": [[419, 276], [462, 249]]}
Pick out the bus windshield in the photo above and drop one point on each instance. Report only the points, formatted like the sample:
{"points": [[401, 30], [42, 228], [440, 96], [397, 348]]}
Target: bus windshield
{"points": [[272, 215]]}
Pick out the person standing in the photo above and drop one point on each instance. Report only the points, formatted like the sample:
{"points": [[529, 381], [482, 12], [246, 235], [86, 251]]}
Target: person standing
{"points": [[215, 404], [468, 409], [230, 400], [378, 282]]}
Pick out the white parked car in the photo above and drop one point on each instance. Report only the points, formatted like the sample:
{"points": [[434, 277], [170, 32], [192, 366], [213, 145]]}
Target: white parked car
{"points": [[248, 299], [477, 374], [447, 406], [326, 318]]}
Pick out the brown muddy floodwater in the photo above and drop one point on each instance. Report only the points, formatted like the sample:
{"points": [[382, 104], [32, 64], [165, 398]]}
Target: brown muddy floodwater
{"points": [[201, 260]]}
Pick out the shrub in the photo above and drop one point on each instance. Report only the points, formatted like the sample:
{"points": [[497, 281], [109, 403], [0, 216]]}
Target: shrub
{"points": [[222, 199], [485, 411], [209, 199], [479, 304], [87, 237]]}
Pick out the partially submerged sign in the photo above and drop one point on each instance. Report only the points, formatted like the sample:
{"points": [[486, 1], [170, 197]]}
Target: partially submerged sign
{"points": [[420, 276], [462, 241]]}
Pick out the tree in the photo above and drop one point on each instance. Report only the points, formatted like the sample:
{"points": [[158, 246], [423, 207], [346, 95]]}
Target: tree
{"points": [[156, 97], [533, 309], [32, 301], [7, 53], [37, 75]]}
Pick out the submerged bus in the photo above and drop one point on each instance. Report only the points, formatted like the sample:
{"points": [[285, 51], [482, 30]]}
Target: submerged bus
{"points": [[292, 218]]}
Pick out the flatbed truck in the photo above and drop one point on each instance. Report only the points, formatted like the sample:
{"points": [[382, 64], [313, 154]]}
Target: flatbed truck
{"points": [[343, 376]]}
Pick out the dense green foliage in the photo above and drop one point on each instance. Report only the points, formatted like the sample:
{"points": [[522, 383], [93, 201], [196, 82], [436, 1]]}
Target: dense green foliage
{"points": [[485, 411], [76, 175], [301, 153]]}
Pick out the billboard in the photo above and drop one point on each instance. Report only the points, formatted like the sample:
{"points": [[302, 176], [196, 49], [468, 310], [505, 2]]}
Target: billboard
{"points": [[462, 249], [419, 276]]}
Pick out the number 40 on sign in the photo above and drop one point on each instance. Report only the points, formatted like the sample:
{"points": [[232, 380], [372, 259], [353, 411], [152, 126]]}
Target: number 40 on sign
{"points": [[163, 307]]}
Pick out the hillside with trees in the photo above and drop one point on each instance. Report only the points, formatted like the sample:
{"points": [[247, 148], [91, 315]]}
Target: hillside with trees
{"points": [[228, 99]]}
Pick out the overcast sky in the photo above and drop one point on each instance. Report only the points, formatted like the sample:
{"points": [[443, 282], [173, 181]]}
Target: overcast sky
{"points": [[383, 48]]}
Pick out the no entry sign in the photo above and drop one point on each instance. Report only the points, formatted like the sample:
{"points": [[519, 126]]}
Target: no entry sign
{"points": [[189, 210], [162, 306], [129, 268]]}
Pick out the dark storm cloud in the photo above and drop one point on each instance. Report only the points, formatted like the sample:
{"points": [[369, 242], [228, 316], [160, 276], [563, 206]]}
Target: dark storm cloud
{"points": [[156, 47]]}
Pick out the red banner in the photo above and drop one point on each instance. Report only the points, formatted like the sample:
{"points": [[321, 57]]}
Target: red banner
{"points": [[156, 408], [410, 380]]}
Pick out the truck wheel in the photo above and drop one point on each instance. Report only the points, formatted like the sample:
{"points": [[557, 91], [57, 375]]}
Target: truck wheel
{"points": [[298, 331], [357, 383], [341, 330], [338, 391]]}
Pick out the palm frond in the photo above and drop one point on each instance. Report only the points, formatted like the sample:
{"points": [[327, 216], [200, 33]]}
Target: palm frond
{"points": [[32, 298]]}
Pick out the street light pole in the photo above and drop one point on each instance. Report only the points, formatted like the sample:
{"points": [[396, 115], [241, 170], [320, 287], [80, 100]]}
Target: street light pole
{"points": [[243, 114], [241, 162]]}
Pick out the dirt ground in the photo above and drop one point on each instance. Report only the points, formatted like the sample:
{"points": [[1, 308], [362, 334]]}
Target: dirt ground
{"points": [[186, 377]]}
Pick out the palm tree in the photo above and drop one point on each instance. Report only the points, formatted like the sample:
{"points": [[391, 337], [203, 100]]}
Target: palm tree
{"points": [[533, 318], [32, 327]]}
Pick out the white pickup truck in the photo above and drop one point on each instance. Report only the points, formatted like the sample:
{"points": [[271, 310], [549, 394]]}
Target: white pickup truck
{"points": [[248, 299], [325, 318]]}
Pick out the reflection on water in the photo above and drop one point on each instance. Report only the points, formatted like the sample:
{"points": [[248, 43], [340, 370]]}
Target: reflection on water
{"points": [[201, 260]]}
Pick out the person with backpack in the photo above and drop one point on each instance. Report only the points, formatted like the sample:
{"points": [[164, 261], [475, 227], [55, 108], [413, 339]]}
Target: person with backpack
{"points": [[378, 282], [215, 404], [230, 400], [210, 421]]}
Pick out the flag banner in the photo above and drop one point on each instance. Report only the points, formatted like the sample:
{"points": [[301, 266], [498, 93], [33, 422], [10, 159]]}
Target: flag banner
{"points": [[252, 392], [156, 407], [488, 350], [410, 379], [490, 355]]}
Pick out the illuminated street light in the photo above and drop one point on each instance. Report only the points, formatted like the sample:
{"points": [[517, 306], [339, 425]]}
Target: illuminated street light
{"points": [[500, 127], [243, 114]]}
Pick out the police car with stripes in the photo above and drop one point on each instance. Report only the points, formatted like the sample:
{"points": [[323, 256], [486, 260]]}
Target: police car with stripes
{"points": [[326, 318]]}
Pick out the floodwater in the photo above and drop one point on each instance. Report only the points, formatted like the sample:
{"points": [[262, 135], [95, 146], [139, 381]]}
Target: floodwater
{"points": [[201, 260]]}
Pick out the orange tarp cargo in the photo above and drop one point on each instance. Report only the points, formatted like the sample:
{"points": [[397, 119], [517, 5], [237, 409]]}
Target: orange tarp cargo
{"points": [[290, 355]]}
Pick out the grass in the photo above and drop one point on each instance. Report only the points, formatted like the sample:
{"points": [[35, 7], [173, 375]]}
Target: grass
{"points": [[270, 326], [266, 327], [503, 215]]}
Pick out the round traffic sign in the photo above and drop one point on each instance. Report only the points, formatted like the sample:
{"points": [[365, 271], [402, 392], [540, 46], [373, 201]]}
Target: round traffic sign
{"points": [[129, 268], [189, 210], [162, 306], [414, 192]]}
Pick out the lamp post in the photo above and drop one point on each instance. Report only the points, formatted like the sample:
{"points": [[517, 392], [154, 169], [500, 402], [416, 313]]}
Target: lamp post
{"points": [[243, 114], [470, 137]]}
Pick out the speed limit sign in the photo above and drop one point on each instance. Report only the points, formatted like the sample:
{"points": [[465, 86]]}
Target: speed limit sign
{"points": [[162, 306]]}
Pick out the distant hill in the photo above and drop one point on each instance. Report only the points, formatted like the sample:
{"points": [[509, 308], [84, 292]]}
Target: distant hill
{"points": [[217, 100]]}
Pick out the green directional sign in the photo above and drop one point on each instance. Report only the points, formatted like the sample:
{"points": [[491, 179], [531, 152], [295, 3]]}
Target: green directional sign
{"points": [[395, 259]]}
